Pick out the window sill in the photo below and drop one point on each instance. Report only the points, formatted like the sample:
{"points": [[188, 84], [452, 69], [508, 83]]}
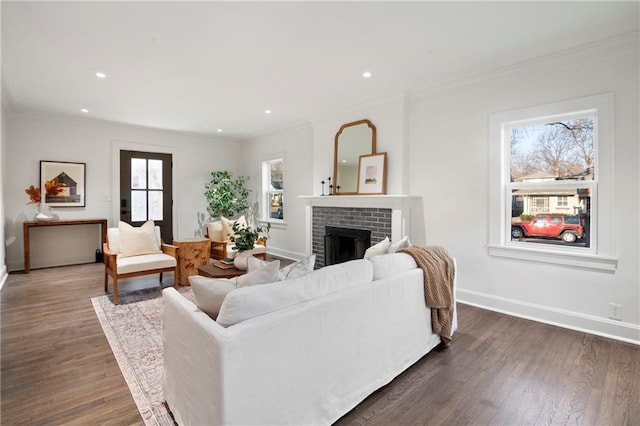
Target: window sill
{"points": [[576, 260], [275, 224]]}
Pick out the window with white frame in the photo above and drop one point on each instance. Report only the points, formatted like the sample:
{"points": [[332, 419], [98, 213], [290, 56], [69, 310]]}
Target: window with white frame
{"points": [[273, 190], [550, 160], [550, 181]]}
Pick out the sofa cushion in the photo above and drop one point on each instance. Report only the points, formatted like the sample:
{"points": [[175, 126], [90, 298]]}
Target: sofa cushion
{"points": [[391, 264], [400, 245], [262, 275], [248, 302], [210, 293], [378, 249], [136, 241], [145, 262]]}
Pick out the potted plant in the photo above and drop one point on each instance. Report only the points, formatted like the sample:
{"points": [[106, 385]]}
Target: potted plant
{"points": [[226, 196], [245, 239]]}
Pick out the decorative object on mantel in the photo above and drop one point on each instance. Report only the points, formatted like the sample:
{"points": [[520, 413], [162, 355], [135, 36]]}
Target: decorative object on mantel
{"points": [[372, 173], [330, 186], [226, 196], [322, 188], [352, 140], [245, 239], [64, 183]]}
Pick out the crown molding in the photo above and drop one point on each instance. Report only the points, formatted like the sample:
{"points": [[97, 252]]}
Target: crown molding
{"points": [[557, 61]]}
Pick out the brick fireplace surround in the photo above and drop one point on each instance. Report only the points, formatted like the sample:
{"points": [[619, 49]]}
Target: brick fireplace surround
{"points": [[383, 215]]}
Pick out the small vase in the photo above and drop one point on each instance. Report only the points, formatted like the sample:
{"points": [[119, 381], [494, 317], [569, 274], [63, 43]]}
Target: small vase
{"points": [[241, 260]]}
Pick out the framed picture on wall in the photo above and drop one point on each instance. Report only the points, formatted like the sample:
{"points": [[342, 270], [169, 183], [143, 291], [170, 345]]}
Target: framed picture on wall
{"points": [[62, 183], [372, 173]]}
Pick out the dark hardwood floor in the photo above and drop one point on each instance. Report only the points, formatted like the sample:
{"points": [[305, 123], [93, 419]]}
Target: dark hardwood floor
{"points": [[57, 367]]}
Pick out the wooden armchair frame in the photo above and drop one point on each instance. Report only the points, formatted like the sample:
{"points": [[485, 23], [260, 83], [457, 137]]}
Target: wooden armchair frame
{"points": [[111, 268], [219, 248]]}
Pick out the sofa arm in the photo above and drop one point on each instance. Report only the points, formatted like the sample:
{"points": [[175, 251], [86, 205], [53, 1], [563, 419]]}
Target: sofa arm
{"points": [[193, 360]]}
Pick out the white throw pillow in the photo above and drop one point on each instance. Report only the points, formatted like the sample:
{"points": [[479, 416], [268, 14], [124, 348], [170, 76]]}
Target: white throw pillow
{"points": [[137, 241], [266, 274], [250, 302], [378, 249], [391, 264], [214, 231], [254, 263], [294, 270], [400, 245], [299, 268], [210, 293], [227, 226]]}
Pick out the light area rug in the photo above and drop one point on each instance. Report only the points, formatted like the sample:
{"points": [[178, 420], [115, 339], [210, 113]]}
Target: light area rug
{"points": [[134, 331]]}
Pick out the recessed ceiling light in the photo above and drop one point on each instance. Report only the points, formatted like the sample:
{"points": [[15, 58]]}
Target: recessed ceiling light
{"points": [[344, 161], [267, 111], [219, 130], [366, 74], [86, 111], [101, 75]]}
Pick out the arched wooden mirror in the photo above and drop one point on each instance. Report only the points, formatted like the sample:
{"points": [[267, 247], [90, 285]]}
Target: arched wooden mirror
{"points": [[352, 140]]}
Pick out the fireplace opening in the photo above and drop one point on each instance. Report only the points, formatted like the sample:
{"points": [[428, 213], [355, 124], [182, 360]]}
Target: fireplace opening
{"points": [[344, 244]]}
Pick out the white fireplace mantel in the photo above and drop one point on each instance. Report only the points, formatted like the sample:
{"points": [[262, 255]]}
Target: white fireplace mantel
{"points": [[401, 208]]}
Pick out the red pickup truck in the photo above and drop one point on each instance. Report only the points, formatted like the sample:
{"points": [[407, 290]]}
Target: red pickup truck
{"points": [[567, 228]]}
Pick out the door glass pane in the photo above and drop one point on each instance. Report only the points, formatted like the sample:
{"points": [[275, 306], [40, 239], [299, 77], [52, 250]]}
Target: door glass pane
{"points": [[138, 173], [155, 174], [138, 206], [155, 205]]}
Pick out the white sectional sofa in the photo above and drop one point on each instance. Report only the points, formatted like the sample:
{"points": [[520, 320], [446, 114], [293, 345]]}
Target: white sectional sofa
{"points": [[303, 351]]}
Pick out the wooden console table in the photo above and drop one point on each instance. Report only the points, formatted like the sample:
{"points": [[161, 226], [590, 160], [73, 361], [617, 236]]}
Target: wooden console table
{"points": [[28, 225]]}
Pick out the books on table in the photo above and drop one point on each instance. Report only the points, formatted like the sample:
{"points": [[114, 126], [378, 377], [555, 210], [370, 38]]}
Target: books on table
{"points": [[222, 264]]}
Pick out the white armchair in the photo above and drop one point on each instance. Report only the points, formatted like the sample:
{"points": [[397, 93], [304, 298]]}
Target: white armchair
{"points": [[222, 246], [131, 252]]}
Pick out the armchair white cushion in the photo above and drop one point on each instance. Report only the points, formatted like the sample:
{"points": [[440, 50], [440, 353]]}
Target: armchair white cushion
{"points": [[121, 260]]}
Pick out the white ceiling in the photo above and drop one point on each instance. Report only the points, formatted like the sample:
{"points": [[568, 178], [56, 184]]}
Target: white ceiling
{"points": [[201, 66]]}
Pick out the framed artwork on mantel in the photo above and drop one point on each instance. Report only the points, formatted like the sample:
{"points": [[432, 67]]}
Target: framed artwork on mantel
{"points": [[372, 173], [68, 190]]}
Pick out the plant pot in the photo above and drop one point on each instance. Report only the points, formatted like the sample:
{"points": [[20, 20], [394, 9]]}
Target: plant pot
{"points": [[241, 259]]}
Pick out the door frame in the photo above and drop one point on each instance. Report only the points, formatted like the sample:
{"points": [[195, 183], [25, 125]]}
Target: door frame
{"points": [[116, 147]]}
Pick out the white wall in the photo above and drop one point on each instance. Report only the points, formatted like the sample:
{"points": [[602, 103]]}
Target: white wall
{"points": [[449, 163], [3, 251], [438, 146], [31, 138], [389, 116], [295, 145]]}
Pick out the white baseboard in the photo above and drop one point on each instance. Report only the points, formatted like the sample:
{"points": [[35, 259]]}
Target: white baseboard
{"points": [[285, 253], [604, 327], [3, 276]]}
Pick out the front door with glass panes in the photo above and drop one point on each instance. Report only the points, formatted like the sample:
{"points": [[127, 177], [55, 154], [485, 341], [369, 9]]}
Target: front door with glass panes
{"points": [[146, 190]]}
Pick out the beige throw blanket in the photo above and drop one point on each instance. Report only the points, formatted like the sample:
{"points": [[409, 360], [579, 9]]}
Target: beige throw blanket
{"points": [[438, 271]]}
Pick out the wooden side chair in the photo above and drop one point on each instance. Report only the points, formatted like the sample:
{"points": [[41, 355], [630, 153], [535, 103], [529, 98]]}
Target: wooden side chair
{"points": [[221, 248], [126, 259]]}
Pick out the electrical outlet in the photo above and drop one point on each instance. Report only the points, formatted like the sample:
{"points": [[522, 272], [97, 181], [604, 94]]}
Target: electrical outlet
{"points": [[615, 311]]}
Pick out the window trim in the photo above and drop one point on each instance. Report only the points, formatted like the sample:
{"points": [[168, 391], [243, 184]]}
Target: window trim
{"points": [[601, 254], [266, 190]]}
